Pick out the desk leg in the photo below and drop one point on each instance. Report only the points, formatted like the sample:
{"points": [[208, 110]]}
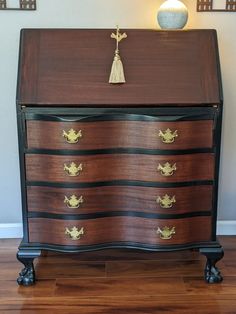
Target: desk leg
{"points": [[213, 255], [27, 275]]}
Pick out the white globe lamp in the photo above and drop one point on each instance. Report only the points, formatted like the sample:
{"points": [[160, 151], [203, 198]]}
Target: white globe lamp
{"points": [[172, 14]]}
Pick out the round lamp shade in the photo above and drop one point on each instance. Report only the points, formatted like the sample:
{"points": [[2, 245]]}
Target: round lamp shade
{"points": [[172, 14]]}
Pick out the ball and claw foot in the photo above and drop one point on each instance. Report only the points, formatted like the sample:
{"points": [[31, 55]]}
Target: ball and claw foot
{"points": [[26, 276], [213, 255], [212, 274]]}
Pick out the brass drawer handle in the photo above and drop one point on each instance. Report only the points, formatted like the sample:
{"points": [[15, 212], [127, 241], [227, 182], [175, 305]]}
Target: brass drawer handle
{"points": [[73, 170], [167, 169], [72, 137], [166, 201], [166, 233], [73, 201], [168, 136], [74, 233]]}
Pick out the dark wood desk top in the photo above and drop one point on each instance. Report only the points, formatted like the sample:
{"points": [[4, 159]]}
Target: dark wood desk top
{"points": [[72, 67]]}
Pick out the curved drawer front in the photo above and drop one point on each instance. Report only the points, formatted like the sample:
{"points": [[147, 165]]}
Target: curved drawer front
{"points": [[112, 167], [119, 198], [120, 229], [119, 134]]}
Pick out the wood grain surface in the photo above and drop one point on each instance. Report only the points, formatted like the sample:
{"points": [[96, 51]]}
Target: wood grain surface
{"points": [[110, 167], [119, 229], [119, 198], [119, 134], [72, 67], [109, 281]]}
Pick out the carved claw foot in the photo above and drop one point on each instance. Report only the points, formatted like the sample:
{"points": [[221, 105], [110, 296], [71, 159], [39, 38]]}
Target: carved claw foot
{"points": [[27, 275], [212, 273]]}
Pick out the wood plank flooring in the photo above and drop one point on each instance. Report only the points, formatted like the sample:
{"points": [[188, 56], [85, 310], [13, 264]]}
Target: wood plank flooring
{"points": [[118, 282]]}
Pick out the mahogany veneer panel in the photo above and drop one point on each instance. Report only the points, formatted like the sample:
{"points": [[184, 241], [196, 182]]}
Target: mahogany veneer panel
{"points": [[120, 229], [120, 198], [98, 168], [120, 134], [72, 67]]}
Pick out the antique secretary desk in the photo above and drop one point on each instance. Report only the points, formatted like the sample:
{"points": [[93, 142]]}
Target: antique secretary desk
{"points": [[131, 165]]}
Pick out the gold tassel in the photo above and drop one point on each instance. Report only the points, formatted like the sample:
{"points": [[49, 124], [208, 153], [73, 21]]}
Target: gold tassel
{"points": [[117, 71]]}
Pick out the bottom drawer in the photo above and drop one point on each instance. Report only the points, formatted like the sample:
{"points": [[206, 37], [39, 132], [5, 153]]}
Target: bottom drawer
{"points": [[120, 229]]}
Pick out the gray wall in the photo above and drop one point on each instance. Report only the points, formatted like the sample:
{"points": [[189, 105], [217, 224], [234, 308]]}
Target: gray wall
{"points": [[105, 14]]}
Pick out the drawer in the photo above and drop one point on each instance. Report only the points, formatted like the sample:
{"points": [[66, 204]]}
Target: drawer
{"points": [[120, 229], [113, 167], [120, 198], [119, 134]]}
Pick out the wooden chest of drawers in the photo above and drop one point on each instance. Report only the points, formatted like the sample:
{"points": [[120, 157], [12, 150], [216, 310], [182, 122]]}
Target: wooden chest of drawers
{"points": [[131, 165]]}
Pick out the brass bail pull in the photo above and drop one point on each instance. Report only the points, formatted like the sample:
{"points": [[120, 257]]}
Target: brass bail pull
{"points": [[168, 136], [73, 170], [166, 233], [72, 137], [166, 201], [73, 201], [74, 233], [167, 170]]}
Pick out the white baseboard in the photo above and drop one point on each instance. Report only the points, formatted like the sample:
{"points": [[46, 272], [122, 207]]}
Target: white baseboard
{"points": [[7, 231], [226, 227]]}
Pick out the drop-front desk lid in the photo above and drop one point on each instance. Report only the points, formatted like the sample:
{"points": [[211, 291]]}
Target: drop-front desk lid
{"points": [[72, 67]]}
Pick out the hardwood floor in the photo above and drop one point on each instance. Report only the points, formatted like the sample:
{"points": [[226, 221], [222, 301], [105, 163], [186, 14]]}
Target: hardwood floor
{"points": [[118, 282]]}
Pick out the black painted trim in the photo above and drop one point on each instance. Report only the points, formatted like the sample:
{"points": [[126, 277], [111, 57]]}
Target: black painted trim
{"points": [[121, 117], [218, 132], [21, 139], [20, 54], [116, 214], [142, 113], [116, 245], [219, 76], [217, 141], [117, 183], [119, 151]]}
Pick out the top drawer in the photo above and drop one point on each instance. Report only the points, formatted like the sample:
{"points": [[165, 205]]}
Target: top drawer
{"points": [[88, 135]]}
